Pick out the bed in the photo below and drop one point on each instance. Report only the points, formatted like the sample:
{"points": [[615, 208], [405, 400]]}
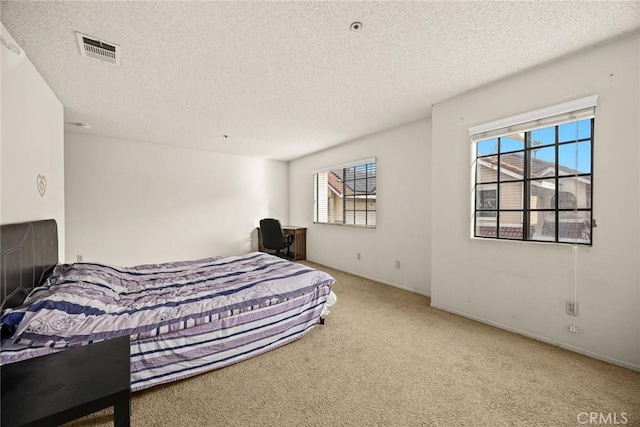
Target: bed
{"points": [[183, 318]]}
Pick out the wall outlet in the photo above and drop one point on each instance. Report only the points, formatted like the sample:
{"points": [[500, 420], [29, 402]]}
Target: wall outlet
{"points": [[80, 257], [358, 256], [573, 328], [571, 307], [397, 264]]}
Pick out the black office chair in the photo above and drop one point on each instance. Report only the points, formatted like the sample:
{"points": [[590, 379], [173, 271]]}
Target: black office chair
{"points": [[273, 237]]}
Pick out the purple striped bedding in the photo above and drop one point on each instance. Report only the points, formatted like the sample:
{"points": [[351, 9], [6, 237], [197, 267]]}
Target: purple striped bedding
{"points": [[184, 318], [82, 303], [211, 346]]}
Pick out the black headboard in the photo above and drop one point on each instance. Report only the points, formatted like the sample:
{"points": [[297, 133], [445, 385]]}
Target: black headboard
{"points": [[29, 253]]}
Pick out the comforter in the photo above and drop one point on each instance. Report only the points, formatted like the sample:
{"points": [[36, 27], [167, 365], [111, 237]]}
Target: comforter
{"points": [[85, 302]]}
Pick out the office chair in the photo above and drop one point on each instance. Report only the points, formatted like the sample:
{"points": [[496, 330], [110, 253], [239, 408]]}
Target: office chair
{"points": [[273, 237]]}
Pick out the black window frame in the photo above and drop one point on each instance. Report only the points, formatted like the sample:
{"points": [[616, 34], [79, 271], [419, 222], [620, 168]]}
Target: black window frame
{"points": [[526, 210]]}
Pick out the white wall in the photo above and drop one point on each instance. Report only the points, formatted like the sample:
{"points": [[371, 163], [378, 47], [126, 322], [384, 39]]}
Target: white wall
{"points": [[523, 286], [403, 216], [32, 144], [131, 202]]}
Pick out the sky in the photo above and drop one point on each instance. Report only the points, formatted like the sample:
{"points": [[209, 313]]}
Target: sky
{"points": [[572, 155]]}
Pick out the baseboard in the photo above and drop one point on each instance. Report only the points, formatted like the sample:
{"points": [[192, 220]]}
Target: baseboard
{"points": [[373, 279], [544, 339]]}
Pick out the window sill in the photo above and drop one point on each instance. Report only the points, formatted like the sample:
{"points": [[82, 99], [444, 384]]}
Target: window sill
{"points": [[370, 227], [539, 242]]}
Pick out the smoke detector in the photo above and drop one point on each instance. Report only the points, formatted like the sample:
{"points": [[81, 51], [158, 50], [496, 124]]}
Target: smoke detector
{"points": [[94, 48]]}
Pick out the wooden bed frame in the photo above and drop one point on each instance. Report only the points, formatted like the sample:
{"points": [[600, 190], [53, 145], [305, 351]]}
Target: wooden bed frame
{"points": [[29, 253]]}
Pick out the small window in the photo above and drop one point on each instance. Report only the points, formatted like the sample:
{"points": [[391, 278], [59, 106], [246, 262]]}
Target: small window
{"points": [[487, 203], [346, 194], [533, 180]]}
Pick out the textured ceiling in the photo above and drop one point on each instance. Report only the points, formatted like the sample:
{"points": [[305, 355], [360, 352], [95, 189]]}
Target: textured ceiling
{"points": [[284, 79]]}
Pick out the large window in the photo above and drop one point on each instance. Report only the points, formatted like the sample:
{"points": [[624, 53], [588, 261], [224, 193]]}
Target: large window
{"points": [[346, 194], [536, 184]]}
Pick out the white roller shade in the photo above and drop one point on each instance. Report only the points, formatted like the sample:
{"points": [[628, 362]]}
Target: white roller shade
{"points": [[577, 109]]}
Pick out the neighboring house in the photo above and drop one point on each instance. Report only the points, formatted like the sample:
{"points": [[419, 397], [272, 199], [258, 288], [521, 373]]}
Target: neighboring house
{"points": [[351, 198], [573, 192]]}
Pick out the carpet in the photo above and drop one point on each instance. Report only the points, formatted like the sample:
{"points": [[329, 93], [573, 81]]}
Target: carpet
{"points": [[386, 358]]}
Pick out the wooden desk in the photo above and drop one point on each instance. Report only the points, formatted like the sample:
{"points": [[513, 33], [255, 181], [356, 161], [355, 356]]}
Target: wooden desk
{"points": [[56, 388], [299, 245]]}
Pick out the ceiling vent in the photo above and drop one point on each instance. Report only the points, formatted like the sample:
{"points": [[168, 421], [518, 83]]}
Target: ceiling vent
{"points": [[101, 50]]}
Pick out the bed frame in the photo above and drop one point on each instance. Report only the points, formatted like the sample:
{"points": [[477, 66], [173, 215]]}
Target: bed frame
{"points": [[29, 253]]}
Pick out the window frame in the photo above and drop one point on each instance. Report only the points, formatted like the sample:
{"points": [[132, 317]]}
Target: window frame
{"points": [[526, 209], [349, 209]]}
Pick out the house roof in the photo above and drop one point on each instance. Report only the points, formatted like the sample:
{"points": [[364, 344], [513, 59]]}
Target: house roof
{"points": [[359, 184], [514, 163]]}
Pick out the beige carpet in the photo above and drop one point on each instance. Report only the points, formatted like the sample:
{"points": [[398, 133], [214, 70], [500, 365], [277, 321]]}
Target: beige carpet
{"points": [[386, 358]]}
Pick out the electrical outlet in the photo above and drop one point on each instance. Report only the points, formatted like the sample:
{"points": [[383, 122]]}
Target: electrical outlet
{"points": [[358, 256], [571, 307], [573, 328], [397, 264], [80, 257]]}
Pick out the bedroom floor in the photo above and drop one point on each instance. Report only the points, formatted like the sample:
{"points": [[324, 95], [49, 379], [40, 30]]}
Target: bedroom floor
{"points": [[385, 357]]}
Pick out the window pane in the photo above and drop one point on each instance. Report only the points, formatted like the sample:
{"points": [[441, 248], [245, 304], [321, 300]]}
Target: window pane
{"points": [[335, 209], [542, 162], [486, 147], [575, 227], [584, 128], [580, 190], [574, 130], [486, 227], [542, 193], [349, 203], [510, 225], [566, 200], [513, 142], [487, 169], [543, 226], [574, 157], [361, 218], [372, 184], [360, 186], [535, 222], [371, 168], [486, 197], [544, 136], [511, 166], [511, 195], [349, 218]]}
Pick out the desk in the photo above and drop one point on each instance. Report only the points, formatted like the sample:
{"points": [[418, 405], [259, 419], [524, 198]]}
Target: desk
{"points": [[59, 387], [299, 245]]}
